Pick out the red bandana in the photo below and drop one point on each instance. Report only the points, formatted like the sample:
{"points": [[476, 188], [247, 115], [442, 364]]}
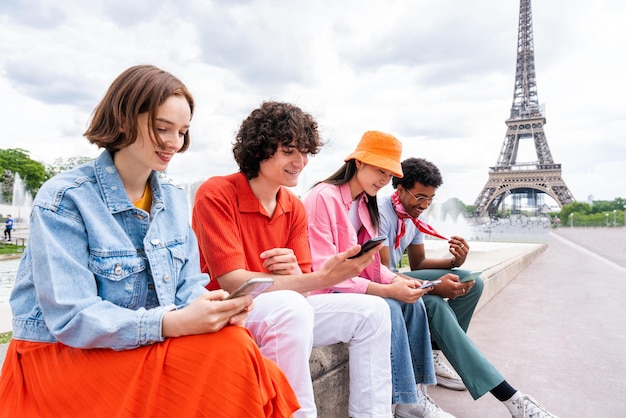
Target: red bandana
{"points": [[403, 214]]}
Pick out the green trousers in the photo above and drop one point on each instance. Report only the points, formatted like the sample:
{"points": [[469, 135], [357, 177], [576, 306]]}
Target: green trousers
{"points": [[448, 320]]}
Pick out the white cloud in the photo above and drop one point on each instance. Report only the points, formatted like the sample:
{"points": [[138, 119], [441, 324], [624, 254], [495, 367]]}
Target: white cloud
{"points": [[437, 74]]}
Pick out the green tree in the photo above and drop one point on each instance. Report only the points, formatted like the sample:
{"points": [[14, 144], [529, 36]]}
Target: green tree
{"points": [[581, 208], [594, 214], [18, 160], [601, 206]]}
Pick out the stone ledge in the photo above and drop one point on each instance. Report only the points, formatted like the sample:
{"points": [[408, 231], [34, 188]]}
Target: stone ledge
{"points": [[331, 380]]}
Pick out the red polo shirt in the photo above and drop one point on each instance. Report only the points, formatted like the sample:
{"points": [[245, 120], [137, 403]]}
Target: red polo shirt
{"points": [[233, 228]]}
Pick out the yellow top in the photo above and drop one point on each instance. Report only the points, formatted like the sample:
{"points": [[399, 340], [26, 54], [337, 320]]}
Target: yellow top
{"points": [[145, 202]]}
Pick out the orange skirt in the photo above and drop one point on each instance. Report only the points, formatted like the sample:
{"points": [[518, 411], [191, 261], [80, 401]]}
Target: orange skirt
{"points": [[214, 375]]}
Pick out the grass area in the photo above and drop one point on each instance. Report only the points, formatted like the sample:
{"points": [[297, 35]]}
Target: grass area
{"points": [[405, 260], [5, 337], [6, 248]]}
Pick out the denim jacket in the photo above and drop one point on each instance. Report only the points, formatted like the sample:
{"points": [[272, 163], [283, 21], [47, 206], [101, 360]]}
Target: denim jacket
{"points": [[99, 272]]}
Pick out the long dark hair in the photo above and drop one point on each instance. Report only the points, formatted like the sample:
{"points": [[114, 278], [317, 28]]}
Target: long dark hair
{"points": [[343, 176]]}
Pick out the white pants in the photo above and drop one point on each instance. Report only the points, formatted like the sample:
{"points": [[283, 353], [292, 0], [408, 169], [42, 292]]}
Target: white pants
{"points": [[286, 328]]}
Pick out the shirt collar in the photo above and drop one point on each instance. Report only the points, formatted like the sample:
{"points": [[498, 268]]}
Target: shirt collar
{"points": [[346, 195], [248, 202]]}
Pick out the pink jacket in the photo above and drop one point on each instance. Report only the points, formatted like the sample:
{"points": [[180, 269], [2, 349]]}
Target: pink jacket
{"points": [[331, 232]]}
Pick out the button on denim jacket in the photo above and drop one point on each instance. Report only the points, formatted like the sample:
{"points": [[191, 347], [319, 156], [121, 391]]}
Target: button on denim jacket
{"points": [[99, 272]]}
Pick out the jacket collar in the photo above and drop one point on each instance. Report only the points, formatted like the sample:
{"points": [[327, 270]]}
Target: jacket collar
{"points": [[112, 188]]}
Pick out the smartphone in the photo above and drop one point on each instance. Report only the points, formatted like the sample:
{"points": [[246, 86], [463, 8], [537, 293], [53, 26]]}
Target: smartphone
{"points": [[252, 287], [430, 283], [472, 276], [369, 245]]}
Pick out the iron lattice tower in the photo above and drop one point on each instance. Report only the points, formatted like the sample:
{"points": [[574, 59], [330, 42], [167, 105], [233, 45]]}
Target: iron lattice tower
{"points": [[526, 121]]}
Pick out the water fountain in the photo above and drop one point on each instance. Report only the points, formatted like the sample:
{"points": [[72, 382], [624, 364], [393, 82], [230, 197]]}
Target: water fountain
{"points": [[22, 201], [514, 228]]}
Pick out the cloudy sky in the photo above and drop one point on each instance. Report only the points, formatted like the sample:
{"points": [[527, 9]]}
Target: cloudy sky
{"points": [[438, 74]]}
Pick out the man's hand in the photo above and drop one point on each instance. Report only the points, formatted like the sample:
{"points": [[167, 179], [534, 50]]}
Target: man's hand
{"points": [[451, 288], [281, 261], [459, 249]]}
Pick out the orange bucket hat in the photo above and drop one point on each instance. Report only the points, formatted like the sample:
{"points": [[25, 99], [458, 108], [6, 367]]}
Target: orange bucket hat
{"points": [[381, 150]]}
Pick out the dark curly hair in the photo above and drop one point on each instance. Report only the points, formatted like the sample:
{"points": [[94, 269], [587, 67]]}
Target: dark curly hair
{"points": [[271, 125], [418, 170]]}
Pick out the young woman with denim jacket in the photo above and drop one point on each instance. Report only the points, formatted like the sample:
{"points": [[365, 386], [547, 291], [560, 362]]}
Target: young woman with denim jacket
{"points": [[111, 316]]}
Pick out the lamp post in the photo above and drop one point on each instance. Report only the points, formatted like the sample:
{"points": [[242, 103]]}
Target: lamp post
{"points": [[571, 219], [606, 217], [614, 222]]}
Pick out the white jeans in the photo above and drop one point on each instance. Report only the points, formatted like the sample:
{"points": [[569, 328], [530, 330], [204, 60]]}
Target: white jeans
{"points": [[286, 328]]}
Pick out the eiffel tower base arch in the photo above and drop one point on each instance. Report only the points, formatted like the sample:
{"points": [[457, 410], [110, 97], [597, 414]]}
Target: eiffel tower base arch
{"points": [[515, 180]]}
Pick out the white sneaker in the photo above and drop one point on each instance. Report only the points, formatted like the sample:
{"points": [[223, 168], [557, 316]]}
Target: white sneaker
{"points": [[425, 408], [525, 406], [446, 376]]}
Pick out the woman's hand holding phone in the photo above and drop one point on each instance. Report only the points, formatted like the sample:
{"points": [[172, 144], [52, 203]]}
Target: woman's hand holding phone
{"points": [[428, 284], [253, 287], [369, 245]]}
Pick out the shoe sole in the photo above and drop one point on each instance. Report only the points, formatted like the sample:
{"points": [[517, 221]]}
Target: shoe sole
{"points": [[450, 384]]}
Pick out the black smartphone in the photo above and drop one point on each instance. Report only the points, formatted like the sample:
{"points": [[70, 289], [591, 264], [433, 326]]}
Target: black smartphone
{"points": [[252, 287], [369, 245]]}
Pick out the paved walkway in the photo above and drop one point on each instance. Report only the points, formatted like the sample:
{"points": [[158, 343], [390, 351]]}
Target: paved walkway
{"points": [[557, 330]]}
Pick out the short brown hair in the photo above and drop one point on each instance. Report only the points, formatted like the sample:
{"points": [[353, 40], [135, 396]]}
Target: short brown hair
{"points": [[139, 89]]}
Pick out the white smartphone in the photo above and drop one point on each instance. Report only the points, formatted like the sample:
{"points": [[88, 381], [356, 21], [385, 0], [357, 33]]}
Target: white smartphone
{"points": [[472, 276], [428, 284], [252, 287]]}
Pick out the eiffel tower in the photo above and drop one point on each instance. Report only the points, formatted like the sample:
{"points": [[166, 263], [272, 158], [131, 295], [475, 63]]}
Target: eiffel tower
{"points": [[526, 121]]}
